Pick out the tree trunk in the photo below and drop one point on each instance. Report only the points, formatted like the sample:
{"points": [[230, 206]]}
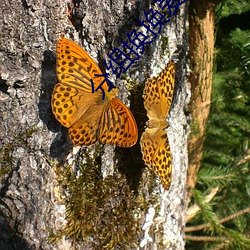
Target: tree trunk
{"points": [[201, 40], [54, 195]]}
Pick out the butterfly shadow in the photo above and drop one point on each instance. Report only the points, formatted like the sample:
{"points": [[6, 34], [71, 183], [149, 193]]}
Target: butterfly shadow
{"points": [[131, 163], [61, 144]]}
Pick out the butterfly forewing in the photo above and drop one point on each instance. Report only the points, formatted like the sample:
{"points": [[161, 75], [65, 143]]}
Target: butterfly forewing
{"points": [[166, 87], [158, 92], [63, 105], [75, 67]]}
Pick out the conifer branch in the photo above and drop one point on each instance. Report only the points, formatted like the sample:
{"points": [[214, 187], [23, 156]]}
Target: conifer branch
{"points": [[245, 159], [205, 238], [230, 217], [194, 209]]}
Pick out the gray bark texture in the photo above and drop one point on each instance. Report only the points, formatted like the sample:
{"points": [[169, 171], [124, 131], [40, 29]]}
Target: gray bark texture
{"points": [[49, 197]]}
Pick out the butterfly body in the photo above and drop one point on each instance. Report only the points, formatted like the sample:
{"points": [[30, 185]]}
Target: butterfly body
{"points": [[158, 93], [89, 118], [157, 123]]}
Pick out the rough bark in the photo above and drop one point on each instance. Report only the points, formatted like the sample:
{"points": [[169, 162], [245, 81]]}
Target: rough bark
{"points": [[35, 152], [201, 40]]}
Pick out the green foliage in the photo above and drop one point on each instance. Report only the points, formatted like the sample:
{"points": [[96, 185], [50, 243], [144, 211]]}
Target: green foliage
{"points": [[218, 176], [230, 7], [207, 211], [226, 153]]}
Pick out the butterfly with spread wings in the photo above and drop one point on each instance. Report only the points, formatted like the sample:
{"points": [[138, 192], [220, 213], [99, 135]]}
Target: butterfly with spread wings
{"points": [[89, 118], [158, 94]]}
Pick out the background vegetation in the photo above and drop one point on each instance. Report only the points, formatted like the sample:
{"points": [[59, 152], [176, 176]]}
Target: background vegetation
{"points": [[225, 220]]}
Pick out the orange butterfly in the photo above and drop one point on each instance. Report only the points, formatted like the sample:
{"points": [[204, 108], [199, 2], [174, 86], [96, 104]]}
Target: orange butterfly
{"points": [[88, 117], [158, 93]]}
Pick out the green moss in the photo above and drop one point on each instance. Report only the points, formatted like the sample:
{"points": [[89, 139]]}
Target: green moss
{"points": [[5, 161], [19, 140], [131, 84], [195, 129], [28, 133], [105, 212], [123, 76], [164, 45]]}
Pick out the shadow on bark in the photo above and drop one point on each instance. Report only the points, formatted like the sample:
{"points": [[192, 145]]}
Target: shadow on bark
{"points": [[61, 145], [9, 239], [130, 159]]}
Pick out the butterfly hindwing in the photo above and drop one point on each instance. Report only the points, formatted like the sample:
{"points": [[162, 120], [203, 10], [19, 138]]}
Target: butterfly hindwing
{"points": [[156, 153], [118, 125]]}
